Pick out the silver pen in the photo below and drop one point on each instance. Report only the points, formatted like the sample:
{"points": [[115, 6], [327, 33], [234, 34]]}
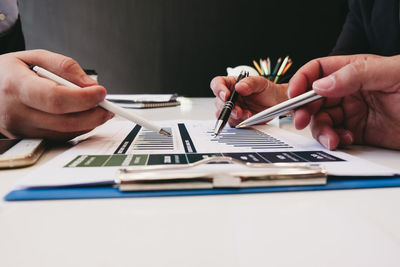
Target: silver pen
{"points": [[280, 109], [105, 103]]}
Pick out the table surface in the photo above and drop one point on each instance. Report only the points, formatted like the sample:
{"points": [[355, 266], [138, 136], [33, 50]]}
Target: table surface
{"points": [[322, 228]]}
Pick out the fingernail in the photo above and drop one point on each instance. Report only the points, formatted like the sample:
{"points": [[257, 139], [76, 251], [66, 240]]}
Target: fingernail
{"points": [[324, 83], [324, 140], [102, 95], [234, 114], [110, 115], [87, 80], [347, 138], [222, 95], [248, 114]]}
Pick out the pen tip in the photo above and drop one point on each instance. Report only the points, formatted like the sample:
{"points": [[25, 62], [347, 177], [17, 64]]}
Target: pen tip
{"points": [[217, 131], [164, 132], [218, 127], [240, 125]]}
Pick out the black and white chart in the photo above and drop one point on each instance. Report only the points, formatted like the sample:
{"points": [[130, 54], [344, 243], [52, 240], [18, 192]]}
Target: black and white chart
{"points": [[120, 144]]}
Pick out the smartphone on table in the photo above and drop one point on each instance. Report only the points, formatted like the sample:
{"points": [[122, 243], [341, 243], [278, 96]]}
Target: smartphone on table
{"points": [[20, 152]]}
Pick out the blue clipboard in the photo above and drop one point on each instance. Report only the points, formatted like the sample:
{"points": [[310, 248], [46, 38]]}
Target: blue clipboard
{"points": [[108, 191]]}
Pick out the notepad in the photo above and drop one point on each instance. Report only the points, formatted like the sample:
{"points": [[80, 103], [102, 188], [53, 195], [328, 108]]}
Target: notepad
{"points": [[144, 100]]}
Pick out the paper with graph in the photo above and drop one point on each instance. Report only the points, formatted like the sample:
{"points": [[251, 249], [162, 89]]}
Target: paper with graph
{"points": [[118, 144]]}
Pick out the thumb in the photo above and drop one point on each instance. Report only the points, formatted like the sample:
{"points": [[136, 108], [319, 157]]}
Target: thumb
{"points": [[345, 81], [363, 74], [61, 65]]}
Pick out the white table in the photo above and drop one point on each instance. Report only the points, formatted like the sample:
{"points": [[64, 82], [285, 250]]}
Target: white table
{"points": [[323, 228]]}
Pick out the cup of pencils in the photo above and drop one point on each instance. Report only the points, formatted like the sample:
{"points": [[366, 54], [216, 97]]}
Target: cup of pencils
{"points": [[277, 72]]}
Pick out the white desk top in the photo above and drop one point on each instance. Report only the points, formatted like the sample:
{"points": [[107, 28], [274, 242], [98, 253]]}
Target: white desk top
{"points": [[323, 228]]}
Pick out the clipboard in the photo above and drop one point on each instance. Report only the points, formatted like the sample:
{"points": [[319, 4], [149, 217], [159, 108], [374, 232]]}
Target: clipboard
{"points": [[109, 191], [155, 182]]}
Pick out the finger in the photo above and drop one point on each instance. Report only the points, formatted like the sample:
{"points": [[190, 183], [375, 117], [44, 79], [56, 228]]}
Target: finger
{"points": [[221, 85], [346, 137], [302, 115], [50, 135], [323, 132], [345, 81], [252, 85], [45, 95], [237, 113], [26, 119], [336, 115], [316, 69], [219, 104], [266, 91], [368, 73], [301, 118], [303, 78], [349, 79], [233, 122], [73, 122], [244, 116], [18, 125], [63, 66], [238, 116]]}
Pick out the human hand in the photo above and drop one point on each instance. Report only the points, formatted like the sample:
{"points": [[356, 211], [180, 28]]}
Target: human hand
{"points": [[255, 95], [32, 106], [362, 100]]}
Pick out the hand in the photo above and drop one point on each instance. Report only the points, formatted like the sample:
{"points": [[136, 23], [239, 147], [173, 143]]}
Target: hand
{"points": [[31, 106], [255, 95], [362, 104]]}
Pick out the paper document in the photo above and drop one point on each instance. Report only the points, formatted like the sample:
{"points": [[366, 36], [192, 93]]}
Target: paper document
{"points": [[99, 155]]}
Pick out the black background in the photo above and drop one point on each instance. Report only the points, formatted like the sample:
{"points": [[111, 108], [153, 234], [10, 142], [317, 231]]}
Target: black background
{"points": [[161, 46]]}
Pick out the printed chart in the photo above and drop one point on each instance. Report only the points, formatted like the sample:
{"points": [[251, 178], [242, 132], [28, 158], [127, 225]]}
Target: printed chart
{"points": [[249, 145]]}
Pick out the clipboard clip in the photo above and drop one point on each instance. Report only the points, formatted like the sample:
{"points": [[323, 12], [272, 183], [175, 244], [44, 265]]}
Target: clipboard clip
{"points": [[185, 176]]}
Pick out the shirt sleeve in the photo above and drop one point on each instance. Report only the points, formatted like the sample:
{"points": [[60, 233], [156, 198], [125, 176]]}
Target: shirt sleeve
{"points": [[353, 37], [8, 14]]}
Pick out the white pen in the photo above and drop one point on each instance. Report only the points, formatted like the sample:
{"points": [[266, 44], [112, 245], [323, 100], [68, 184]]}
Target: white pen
{"points": [[280, 109], [105, 103]]}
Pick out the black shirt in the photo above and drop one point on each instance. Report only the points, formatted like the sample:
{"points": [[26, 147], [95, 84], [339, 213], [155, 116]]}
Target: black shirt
{"points": [[13, 39], [371, 26]]}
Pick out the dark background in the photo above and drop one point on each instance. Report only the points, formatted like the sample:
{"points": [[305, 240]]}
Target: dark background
{"points": [[167, 46]]}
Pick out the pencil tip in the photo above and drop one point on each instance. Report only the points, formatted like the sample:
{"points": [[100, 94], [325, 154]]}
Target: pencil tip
{"points": [[164, 132]]}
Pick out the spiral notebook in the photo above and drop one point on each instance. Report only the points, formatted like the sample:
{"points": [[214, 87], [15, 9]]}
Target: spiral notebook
{"points": [[144, 100]]}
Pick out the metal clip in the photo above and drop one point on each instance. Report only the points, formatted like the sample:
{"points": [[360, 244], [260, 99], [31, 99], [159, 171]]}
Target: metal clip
{"points": [[168, 177]]}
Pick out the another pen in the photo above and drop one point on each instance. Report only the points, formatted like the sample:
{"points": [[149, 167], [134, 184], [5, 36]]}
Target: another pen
{"points": [[105, 103], [226, 111], [280, 109]]}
